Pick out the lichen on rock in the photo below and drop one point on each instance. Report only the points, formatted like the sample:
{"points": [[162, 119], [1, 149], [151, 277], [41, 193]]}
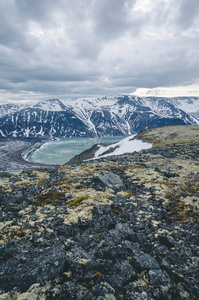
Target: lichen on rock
{"points": [[121, 227]]}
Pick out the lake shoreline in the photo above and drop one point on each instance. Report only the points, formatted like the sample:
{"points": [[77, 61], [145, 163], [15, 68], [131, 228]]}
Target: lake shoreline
{"points": [[14, 154], [17, 154], [63, 150]]}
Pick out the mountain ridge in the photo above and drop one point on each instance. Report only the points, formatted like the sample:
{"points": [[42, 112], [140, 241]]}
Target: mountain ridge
{"points": [[96, 116]]}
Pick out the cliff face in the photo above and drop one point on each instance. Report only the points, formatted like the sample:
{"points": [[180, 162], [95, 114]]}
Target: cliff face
{"points": [[122, 227]]}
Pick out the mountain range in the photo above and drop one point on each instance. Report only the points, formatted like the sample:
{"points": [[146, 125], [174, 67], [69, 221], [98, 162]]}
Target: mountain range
{"points": [[118, 115]]}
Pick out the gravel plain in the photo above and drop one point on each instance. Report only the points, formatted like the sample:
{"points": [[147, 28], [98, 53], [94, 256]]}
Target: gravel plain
{"points": [[13, 154]]}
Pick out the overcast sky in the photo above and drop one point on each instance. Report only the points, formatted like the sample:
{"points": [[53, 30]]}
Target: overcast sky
{"points": [[64, 48]]}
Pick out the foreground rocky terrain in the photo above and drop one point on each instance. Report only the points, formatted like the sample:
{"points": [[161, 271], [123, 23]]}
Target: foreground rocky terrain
{"points": [[122, 227]]}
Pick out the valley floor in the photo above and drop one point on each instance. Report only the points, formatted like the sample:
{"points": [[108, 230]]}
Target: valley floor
{"points": [[12, 152]]}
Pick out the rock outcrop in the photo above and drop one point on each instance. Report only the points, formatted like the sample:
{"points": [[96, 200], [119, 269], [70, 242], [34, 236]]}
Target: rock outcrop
{"points": [[122, 227]]}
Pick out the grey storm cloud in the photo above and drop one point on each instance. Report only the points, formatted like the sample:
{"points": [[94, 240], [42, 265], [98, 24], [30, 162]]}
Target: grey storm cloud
{"points": [[188, 13], [60, 48], [110, 18]]}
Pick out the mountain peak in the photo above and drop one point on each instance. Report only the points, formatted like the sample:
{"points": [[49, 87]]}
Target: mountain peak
{"points": [[117, 115], [50, 105]]}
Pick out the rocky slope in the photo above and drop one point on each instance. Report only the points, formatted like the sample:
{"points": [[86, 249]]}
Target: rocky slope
{"points": [[122, 227], [96, 116]]}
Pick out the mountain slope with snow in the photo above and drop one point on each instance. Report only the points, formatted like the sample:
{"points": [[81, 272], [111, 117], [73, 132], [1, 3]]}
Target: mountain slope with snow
{"points": [[8, 109], [188, 104], [96, 116], [127, 145]]}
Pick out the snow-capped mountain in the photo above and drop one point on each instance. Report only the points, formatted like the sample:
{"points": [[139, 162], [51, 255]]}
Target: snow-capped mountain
{"points": [[96, 116], [188, 104], [8, 109]]}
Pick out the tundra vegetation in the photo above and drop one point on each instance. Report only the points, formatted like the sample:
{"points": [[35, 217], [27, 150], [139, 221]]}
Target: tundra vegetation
{"points": [[121, 227]]}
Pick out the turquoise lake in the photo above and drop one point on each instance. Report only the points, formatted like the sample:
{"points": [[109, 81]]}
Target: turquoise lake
{"points": [[62, 150]]}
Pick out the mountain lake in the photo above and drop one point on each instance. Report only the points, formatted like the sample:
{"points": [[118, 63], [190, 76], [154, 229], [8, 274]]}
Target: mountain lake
{"points": [[60, 151]]}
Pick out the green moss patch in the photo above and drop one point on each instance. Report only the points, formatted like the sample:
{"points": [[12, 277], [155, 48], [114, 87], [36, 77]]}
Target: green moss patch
{"points": [[50, 198], [77, 201]]}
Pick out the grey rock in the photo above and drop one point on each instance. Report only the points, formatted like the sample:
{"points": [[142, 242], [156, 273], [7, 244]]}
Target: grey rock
{"points": [[166, 240], [53, 189], [72, 290], [142, 261], [109, 180], [43, 267], [30, 199], [34, 217], [159, 277]]}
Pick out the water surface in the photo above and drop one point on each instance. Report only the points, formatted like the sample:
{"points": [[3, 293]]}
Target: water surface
{"points": [[62, 150]]}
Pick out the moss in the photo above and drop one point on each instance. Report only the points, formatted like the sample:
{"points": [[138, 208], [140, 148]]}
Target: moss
{"points": [[191, 189], [20, 233], [80, 186], [181, 211], [96, 274], [129, 193], [63, 186], [78, 200], [53, 198], [170, 135], [159, 182], [181, 202], [150, 224]]}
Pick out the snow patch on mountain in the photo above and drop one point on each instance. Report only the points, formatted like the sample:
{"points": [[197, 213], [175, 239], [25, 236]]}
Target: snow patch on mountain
{"points": [[96, 116], [188, 104], [9, 109], [50, 105], [126, 145]]}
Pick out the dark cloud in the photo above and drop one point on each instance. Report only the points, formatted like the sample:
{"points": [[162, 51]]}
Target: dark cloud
{"points": [[188, 13], [34, 10], [76, 47], [110, 18]]}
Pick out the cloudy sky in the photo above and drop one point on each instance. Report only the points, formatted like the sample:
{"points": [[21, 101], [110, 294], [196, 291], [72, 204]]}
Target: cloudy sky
{"points": [[64, 48]]}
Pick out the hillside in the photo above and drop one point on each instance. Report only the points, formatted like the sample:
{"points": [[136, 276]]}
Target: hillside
{"points": [[96, 116], [118, 227]]}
